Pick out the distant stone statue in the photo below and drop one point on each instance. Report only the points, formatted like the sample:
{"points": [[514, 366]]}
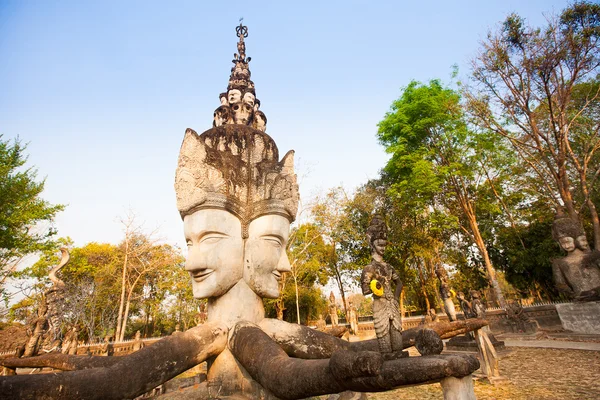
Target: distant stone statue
{"points": [[70, 342], [138, 343], [445, 292], [577, 275], [352, 318], [465, 306], [377, 279], [333, 310], [433, 315], [106, 348], [477, 307], [321, 325]]}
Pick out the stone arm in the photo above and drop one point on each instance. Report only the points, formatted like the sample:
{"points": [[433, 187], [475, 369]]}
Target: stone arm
{"points": [[560, 280], [131, 376], [362, 371], [365, 279], [303, 342], [398, 283]]}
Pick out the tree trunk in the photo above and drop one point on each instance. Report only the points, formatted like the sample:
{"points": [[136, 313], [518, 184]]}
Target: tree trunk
{"points": [[125, 317], [297, 302], [402, 302], [123, 290], [491, 273], [423, 287], [595, 223]]}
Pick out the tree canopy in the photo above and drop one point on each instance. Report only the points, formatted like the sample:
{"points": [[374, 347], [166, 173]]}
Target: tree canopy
{"points": [[26, 219]]}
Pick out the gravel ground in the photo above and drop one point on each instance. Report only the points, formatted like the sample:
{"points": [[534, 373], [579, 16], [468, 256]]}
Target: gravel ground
{"points": [[540, 374]]}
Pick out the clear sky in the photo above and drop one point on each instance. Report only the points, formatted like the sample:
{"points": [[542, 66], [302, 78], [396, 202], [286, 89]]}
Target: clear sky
{"points": [[104, 90]]}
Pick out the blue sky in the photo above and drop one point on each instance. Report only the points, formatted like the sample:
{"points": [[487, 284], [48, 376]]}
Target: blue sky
{"points": [[103, 91]]}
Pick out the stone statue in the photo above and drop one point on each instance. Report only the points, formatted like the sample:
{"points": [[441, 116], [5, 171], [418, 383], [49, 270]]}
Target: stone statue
{"points": [[577, 275], [352, 318], [445, 292], [138, 343], [433, 315], [477, 307], [333, 315], [465, 306], [377, 279], [69, 345], [106, 348]]}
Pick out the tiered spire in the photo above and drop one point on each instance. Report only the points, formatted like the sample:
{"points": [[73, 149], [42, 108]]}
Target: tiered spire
{"points": [[239, 104]]}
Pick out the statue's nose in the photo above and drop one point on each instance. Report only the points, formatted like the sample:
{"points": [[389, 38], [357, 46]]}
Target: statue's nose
{"points": [[284, 263]]}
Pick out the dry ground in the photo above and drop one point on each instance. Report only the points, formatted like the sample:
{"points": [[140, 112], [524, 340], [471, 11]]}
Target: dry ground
{"points": [[534, 374]]}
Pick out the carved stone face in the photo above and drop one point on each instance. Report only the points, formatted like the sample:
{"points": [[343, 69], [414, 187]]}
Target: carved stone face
{"points": [[249, 99], [378, 246], [222, 116], [266, 258], [567, 243], [259, 122], [581, 243], [234, 96], [242, 113], [224, 100], [215, 251]]}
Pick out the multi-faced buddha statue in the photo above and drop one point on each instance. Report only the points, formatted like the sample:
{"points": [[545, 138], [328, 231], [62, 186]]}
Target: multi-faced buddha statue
{"points": [[577, 274]]}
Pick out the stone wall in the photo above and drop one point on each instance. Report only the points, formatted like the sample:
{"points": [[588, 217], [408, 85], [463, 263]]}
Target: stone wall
{"points": [[545, 314]]}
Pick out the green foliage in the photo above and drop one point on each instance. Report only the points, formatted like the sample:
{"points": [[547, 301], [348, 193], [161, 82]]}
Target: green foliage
{"points": [[528, 268], [25, 218]]}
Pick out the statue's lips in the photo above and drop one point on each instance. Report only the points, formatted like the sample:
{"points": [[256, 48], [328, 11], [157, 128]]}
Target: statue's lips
{"points": [[277, 275], [199, 276]]}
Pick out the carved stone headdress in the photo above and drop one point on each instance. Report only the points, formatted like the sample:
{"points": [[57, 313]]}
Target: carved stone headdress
{"points": [[564, 225], [236, 168], [377, 229]]}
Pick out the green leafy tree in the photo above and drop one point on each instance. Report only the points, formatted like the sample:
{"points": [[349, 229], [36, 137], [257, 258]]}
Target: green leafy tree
{"points": [[308, 253], [25, 218], [434, 162]]}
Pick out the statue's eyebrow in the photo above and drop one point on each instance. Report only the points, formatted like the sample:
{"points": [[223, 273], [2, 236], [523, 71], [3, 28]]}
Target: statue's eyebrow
{"points": [[273, 235], [209, 232]]}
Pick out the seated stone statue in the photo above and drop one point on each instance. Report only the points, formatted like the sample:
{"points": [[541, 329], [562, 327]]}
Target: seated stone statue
{"points": [[577, 274]]}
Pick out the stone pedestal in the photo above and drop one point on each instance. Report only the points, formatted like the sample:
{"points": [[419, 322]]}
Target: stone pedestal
{"points": [[580, 317], [467, 343], [458, 388]]}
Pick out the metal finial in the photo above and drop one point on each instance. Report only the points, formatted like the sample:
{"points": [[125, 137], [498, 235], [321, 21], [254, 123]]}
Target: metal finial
{"points": [[241, 30]]}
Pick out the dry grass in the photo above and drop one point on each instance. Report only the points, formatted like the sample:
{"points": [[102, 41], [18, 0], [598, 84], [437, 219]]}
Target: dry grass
{"points": [[540, 374]]}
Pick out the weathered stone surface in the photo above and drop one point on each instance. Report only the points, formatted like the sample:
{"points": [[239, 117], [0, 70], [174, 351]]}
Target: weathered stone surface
{"points": [[580, 317], [292, 378], [458, 388], [428, 342]]}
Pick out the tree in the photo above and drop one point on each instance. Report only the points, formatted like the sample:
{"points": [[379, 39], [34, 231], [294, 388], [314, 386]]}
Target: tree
{"points": [[538, 88], [25, 218], [433, 160], [332, 217], [308, 254], [90, 285]]}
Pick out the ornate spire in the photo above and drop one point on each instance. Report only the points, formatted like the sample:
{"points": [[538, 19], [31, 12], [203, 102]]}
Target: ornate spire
{"points": [[239, 104]]}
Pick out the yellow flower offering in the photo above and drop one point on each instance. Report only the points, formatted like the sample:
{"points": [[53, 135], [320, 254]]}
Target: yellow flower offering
{"points": [[376, 288]]}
